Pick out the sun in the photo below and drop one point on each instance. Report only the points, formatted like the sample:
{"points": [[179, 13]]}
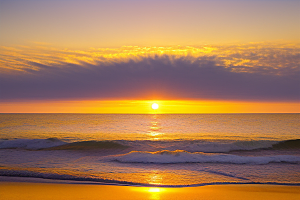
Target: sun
{"points": [[154, 106]]}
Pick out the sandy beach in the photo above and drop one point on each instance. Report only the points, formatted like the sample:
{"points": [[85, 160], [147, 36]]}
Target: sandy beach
{"points": [[27, 188]]}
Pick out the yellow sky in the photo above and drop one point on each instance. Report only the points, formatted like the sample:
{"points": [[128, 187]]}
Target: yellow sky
{"points": [[144, 107]]}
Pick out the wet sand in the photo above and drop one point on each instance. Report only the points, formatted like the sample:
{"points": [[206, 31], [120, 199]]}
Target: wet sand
{"points": [[28, 189]]}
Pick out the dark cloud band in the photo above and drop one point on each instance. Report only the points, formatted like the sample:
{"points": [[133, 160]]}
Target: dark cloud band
{"points": [[151, 77]]}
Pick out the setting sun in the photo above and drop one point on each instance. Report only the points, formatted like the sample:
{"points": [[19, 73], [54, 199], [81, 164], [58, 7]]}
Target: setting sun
{"points": [[154, 106]]}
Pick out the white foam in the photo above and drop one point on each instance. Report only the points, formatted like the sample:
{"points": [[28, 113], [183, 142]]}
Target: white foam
{"points": [[164, 157], [30, 143]]}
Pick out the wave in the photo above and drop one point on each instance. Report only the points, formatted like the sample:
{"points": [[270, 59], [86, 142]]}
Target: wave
{"points": [[56, 144], [32, 144], [226, 146], [89, 145], [288, 144], [222, 146], [179, 156]]}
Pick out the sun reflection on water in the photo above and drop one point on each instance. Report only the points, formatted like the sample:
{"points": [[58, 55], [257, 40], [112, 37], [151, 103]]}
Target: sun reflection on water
{"points": [[154, 190], [154, 129], [154, 193]]}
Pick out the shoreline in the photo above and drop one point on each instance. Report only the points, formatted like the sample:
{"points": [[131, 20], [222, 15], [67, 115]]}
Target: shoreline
{"points": [[24, 179], [23, 188]]}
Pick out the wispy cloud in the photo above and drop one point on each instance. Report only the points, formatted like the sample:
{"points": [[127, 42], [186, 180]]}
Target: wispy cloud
{"points": [[258, 71]]}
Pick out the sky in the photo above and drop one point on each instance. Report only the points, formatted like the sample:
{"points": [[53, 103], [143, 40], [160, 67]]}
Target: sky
{"points": [[120, 56]]}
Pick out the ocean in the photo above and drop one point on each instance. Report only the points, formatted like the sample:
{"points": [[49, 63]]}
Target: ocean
{"points": [[152, 149]]}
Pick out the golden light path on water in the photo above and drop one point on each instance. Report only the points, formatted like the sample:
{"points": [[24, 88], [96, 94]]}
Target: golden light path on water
{"points": [[154, 127]]}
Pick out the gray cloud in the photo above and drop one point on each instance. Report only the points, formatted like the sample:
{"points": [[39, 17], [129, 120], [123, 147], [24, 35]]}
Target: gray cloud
{"points": [[163, 77]]}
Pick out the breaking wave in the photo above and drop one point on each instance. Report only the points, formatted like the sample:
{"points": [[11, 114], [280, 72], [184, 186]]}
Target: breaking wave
{"points": [[223, 146], [288, 144], [89, 145], [32, 144], [179, 156], [148, 145], [56, 144]]}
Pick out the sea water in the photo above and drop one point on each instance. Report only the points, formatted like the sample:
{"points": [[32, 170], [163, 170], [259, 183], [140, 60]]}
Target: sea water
{"points": [[153, 149]]}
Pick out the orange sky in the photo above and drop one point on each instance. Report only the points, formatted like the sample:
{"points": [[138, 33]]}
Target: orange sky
{"points": [[144, 107], [191, 56], [28, 63]]}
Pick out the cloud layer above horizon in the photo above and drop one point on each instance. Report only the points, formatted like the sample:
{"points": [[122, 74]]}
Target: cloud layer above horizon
{"points": [[249, 72]]}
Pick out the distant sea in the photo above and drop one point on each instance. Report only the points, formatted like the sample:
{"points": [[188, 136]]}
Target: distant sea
{"points": [[152, 149]]}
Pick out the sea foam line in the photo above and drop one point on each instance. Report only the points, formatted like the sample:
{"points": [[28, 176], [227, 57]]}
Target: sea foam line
{"points": [[99, 181]]}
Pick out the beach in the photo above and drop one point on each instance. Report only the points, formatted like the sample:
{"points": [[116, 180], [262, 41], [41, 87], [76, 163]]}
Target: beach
{"points": [[13, 188]]}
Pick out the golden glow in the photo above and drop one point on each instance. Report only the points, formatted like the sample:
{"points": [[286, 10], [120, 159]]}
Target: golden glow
{"points": [[142, 107], [37, 191], [250, 55], [154, 190], [154, 106], [154, 127], [154, 193], [270, 55]]}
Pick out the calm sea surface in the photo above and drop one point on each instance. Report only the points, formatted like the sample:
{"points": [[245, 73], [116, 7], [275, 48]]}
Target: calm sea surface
{"points": [[166, 150]]}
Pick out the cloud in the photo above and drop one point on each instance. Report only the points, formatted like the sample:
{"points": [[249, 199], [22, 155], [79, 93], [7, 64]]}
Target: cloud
{"points": [[159, 76]]}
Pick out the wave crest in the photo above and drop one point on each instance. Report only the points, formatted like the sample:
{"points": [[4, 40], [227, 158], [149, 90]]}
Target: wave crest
{"points": [[32, 144], [179, 156], [56, 144], [89, 145], [288, 144]]}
